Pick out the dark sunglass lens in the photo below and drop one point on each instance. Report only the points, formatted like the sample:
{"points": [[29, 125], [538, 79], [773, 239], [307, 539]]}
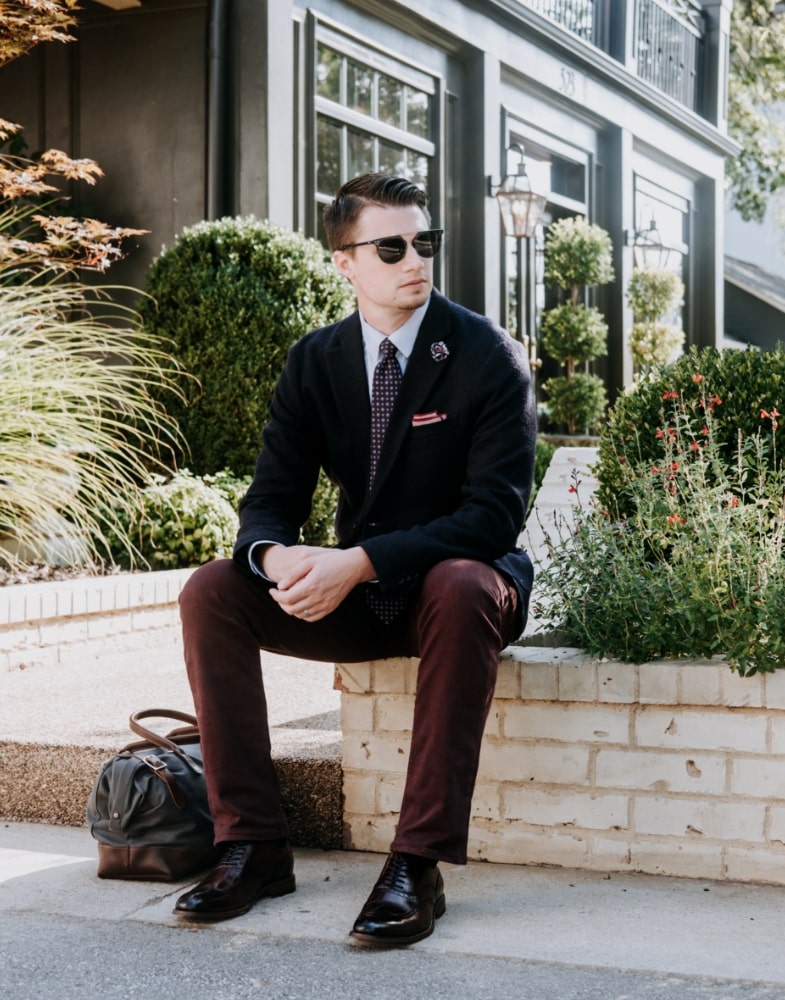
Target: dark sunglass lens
{"points": [[428, 244], [391, 250]]}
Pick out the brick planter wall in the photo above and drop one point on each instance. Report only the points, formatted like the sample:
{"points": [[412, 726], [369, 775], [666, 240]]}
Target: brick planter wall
{"points": [[673, 768], [45, 624]]}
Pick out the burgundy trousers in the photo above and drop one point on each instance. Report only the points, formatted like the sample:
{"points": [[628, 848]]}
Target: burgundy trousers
{"points": [[462, 616]]}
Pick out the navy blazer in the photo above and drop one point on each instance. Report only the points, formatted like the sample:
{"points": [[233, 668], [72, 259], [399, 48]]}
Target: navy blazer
{"points": [[456, 467]]}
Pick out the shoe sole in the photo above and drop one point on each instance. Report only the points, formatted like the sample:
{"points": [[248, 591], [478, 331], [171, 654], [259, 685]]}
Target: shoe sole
{"points": [[282, 888], [378, 941]]}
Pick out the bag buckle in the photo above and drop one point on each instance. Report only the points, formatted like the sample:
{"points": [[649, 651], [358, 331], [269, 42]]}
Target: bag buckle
{"points": [[154, 763]]}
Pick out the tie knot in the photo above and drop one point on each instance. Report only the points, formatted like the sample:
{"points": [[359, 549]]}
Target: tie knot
{"points": [[388, 349]]}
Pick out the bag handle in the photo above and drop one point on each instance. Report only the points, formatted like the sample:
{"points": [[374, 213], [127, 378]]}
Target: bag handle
{"points": [[155, 738]]}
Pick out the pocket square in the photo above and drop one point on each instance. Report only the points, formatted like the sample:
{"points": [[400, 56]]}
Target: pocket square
{"points": [[434, 417]]}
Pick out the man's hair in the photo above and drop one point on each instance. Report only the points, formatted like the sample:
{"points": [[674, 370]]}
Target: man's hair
{"points": [[367, 189]]}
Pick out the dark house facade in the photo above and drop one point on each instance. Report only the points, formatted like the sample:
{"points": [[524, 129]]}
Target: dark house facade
{"points": [[201, 108]]}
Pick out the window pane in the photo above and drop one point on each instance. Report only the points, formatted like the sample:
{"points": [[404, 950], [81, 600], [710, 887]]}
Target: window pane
{"points": [[390, 100], [359, 87], [360, 153], [328, 153], [417, 112], [392, 159], [328, 74], [418, 170]]}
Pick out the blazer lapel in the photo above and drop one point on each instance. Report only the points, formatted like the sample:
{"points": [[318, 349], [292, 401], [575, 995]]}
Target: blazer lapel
{"points": [[345, 361], [423, 371]]}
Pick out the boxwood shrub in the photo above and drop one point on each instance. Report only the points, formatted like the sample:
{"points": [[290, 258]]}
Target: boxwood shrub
{"points": [[233, 296]]}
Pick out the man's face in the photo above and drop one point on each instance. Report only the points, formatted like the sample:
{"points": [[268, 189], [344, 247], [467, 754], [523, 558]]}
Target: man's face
{"points": [[387, 293]]}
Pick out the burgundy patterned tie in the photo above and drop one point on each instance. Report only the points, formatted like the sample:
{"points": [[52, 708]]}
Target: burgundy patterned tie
{"points": [[387, 378]]}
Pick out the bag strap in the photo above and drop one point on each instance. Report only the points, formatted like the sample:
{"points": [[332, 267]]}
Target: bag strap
{"points": [[164, 742]]}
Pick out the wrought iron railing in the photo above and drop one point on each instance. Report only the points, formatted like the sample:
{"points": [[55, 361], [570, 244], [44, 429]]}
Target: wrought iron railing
{"points": [[668, 40], [576, 16], [667, 37]]}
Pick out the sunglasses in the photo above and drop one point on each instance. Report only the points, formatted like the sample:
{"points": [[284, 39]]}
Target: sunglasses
{"points": [[391, 249]]}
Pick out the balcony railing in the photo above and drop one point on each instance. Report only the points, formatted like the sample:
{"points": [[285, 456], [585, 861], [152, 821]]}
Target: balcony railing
{"points": [[667, 38]]}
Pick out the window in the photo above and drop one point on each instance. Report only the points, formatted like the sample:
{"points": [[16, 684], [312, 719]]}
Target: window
{"points": [[373, 113]]}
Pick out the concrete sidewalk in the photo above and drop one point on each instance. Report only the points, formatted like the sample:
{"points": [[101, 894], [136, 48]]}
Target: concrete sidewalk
{"points": [[509, 932]]}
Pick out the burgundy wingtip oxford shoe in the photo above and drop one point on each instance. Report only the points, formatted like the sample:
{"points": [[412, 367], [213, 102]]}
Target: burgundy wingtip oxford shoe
{"points": [[404, 905], [246, 872]]}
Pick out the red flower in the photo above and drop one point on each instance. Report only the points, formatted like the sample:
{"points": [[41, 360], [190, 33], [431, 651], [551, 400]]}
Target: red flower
{"points": [[697, 378], [654, 470], [659, 434], [674, 466], [675, 519], [572, 489], [670, 394], [695, 446]]}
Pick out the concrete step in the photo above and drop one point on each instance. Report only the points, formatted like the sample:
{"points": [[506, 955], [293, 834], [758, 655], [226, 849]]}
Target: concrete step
{"points": [[60, 720]]}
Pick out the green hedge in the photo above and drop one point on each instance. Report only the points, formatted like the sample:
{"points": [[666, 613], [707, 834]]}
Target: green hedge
{"points": [[233, 296]]}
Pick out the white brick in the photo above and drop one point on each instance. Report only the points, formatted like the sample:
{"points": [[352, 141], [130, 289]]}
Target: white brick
{"points": [[755, 865], [389, 793], [356, 713], [661, 771], [617, 682], [540, 682], [578, 682], [368, 833], [774, 687], [395, 676], [695, 729], [742, 692], [694, 817], [376, 754], [107, 625], [659, 683], [394, 713], [539, 807], [679, 858], [777, 735], [777, 824], [762, 778], [353, 678], [508, 679], [486, 802], [701, 683], [525, 762], [74, 630], [567, 723], [359, 793], [493, 724], [515, 845]]}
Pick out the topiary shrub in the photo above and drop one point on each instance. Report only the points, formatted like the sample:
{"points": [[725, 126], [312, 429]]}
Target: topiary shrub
{"points": [[577, 255], [652, 293], [233, 296], [740, 393]]}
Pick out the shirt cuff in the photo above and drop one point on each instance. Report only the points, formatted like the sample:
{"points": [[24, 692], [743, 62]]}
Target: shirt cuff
{"points": [[255, 568]]}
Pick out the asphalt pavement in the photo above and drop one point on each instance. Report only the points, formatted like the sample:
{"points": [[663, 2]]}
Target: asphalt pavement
{"points": [[517, 932]]}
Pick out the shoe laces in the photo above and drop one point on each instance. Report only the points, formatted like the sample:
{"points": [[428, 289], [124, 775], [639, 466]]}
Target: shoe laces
{"points": [[234, 855], [398, 874]]}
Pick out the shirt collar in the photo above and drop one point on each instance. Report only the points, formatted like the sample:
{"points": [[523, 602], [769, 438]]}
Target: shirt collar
{"points": [[403, 338]]}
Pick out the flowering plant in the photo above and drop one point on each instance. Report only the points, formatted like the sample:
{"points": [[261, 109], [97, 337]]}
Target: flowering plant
{"points": [[695, 564]]}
